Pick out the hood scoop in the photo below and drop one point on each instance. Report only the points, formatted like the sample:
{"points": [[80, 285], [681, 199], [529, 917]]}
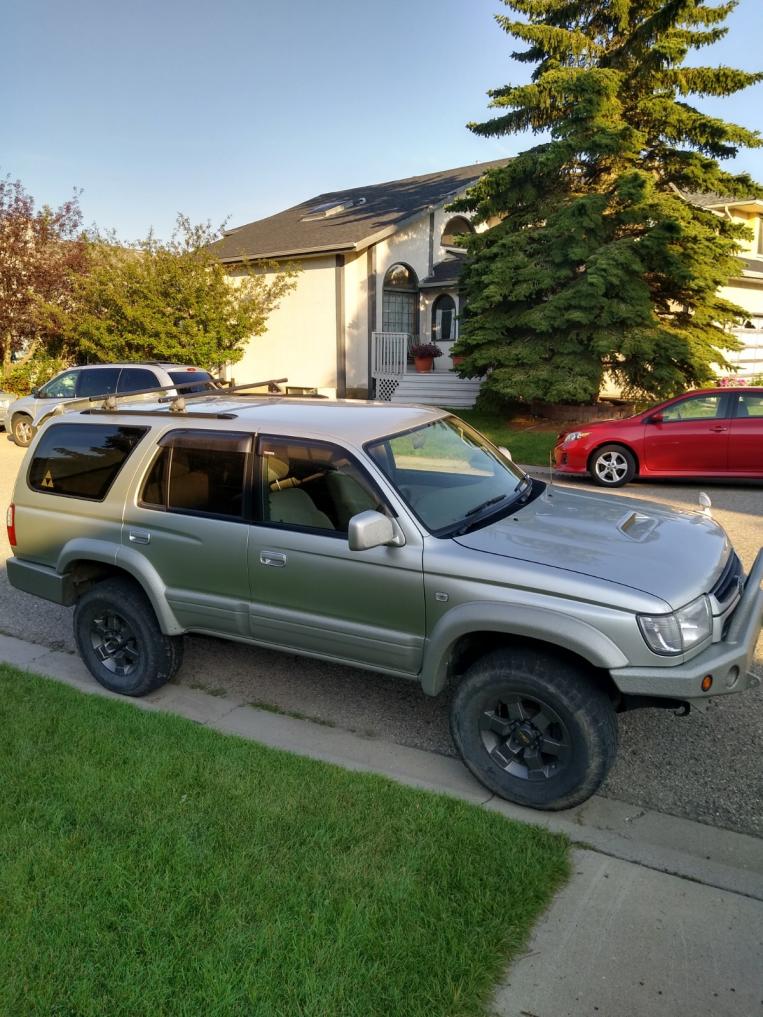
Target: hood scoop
{"points": [[637, 525]]}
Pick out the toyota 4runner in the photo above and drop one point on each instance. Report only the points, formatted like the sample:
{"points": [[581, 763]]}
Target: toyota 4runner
{"points": [[388, 537]]}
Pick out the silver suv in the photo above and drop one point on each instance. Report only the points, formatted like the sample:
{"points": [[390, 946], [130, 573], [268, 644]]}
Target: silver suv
{"points": [[388, 537], [95, 379]]}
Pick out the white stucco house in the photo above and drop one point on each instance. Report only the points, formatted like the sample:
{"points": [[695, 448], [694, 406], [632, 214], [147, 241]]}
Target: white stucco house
{"points": [[379, 270]]}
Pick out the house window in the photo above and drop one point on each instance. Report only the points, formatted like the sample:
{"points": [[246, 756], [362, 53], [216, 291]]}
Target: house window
{"points": [[456, 227], [444, 319], [400, 303]]}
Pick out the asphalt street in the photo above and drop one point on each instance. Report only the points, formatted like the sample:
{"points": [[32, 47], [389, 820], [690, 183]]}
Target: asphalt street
{"points": [[705, 767]]}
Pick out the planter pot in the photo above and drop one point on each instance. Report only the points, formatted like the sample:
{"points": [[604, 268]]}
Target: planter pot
{"points": [[423, 364], [457, 361]]}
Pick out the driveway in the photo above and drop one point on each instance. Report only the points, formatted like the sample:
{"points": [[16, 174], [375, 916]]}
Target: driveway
{"points": [[705, 767]]}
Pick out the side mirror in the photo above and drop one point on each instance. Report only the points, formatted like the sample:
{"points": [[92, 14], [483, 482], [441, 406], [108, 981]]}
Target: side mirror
{"points": [[505, 452], [35, 393], [371, 529], [656, 418]]}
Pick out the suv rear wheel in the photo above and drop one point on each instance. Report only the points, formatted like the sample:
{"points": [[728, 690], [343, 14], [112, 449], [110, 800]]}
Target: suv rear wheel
{"points": [[534, 729], [119, 639]]}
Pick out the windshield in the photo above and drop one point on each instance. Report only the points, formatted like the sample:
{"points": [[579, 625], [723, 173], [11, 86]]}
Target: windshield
{"points": [[449, 475]]}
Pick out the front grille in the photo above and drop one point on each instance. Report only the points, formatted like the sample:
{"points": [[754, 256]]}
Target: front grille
{"points": [[729, 583]]}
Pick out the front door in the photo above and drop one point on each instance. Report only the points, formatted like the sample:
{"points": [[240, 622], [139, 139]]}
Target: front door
{"points": [[310, 592], [691, 436]]}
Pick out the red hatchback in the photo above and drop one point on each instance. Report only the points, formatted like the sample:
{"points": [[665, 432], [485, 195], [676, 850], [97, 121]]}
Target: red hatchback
{"points": [[716, 432]]}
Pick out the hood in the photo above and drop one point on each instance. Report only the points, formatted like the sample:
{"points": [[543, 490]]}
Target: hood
{"points": [[670, 554]]}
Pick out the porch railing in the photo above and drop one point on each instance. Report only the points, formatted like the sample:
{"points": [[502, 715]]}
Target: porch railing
{"points": [[389, 356]]}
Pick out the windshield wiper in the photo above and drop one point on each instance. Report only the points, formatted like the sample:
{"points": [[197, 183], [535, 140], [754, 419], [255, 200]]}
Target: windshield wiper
{"points": [[485, 504]]}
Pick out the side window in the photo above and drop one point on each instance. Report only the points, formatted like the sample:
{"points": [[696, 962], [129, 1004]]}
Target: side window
{"points": [[703, 407], [81, 460], [199, 472], [62, 387], [312, 485], [135, 379], [749, 404], [97, 382]]}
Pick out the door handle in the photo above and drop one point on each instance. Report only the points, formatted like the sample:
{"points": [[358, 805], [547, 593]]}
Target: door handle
{"points": [[139, 537], [275, 558], [719, 428]]}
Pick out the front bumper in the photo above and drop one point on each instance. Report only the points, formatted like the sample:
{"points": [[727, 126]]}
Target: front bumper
{"points": [[729, 662], [571, 458]]}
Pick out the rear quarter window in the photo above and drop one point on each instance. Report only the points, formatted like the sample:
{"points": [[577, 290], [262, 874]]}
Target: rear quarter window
{"points": [[200, 380], [81, 460]]}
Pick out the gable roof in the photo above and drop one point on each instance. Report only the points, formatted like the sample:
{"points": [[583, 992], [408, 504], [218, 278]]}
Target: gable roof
{"points": [[346, 220]]}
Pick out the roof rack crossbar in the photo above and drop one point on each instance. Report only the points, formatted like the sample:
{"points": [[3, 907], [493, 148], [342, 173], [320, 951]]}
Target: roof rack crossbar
{"points": [[110, 400]]}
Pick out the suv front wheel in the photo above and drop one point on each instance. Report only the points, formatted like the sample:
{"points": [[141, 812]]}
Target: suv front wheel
{"points": [[120, 641], [23, 430], [534, 729]]}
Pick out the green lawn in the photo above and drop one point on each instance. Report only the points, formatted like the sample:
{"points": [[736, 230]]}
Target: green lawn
{"points": [[528, 446], [151, 867]]}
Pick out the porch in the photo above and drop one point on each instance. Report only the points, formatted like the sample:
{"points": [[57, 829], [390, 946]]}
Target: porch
{"points": [[395, 379]]}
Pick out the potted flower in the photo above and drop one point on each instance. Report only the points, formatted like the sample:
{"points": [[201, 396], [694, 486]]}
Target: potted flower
{"points": [[424, 354]]}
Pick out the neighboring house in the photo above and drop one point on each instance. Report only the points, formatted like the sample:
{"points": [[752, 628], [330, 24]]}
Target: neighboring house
{"points": [[380, 269], [746, 290]]}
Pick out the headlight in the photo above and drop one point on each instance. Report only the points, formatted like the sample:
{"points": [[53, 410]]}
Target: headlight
{"points": [[680, 631], [576, 436]]}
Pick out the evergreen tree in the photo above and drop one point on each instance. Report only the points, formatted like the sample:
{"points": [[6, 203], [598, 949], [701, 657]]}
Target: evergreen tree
{"points": [[595, 261]]}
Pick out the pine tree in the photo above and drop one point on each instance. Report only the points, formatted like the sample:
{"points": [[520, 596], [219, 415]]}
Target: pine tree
{"points": [[595, 261]]}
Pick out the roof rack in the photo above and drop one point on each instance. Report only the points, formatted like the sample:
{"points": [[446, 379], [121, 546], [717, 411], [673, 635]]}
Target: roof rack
{"points": [[177, 401]]}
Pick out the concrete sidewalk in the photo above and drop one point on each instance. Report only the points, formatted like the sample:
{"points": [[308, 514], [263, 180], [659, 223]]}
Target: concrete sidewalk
{"points": [[662, 916]]}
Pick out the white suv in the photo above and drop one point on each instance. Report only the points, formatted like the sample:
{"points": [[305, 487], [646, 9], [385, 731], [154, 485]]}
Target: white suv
{"points": [[93, 380]]}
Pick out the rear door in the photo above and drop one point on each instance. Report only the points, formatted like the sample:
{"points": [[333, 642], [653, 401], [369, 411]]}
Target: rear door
{"points": [[691, 437], [746, 441], [189, 520], [310, 592]]}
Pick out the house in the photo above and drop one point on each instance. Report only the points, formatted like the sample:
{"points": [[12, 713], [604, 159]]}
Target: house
{"points": [[746, 290], [380, 268]]}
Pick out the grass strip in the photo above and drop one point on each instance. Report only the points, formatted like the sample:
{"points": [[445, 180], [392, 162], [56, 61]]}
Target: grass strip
{"points": [[152, 866], [527, 446]]}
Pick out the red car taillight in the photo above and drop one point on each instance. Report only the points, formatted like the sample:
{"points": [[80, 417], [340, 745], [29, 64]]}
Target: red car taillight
{"points": [[10, 522]]}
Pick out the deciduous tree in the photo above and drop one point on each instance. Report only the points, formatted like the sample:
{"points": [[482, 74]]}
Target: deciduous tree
{"points": [[169, 301], [42, 253]]}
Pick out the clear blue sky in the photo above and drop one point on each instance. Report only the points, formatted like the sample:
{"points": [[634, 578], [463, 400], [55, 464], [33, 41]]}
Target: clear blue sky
{"points": [[241, 108]]}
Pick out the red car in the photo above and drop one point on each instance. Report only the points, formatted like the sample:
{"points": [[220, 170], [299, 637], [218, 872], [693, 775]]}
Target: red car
{"points": [[715, 432]]}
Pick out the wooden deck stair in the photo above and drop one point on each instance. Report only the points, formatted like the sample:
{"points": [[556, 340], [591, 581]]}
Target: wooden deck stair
{"points": [[437, 388]]}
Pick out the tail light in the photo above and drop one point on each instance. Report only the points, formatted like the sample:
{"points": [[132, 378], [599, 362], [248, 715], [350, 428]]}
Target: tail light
{"points": [[10, 522]]}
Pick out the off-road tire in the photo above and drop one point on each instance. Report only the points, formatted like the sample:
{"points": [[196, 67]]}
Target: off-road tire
{"points": [[612, 466], [582, 712], [119, 606], [23, 429]]}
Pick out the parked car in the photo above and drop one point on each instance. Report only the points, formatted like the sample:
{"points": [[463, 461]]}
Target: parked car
{"points": [[715, 432], [389, 537], [95, 379]]}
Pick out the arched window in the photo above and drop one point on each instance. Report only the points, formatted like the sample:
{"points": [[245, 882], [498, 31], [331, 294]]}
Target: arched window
{"points": [[400, 303], [454, 228], [444, 319]]}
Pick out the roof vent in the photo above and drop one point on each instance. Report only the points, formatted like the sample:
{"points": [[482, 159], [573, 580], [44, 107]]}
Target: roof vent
{"points": [[328, 208]]}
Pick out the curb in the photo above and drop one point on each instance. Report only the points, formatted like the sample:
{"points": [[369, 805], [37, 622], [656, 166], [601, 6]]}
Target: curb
{"points": [[681, 847]]}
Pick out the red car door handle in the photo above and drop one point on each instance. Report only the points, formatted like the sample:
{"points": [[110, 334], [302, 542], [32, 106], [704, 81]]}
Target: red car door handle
{"points": [[718, 428]]}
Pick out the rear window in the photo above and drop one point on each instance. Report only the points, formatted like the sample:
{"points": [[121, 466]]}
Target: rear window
{"points": [[187, 377], [81, 460]]}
